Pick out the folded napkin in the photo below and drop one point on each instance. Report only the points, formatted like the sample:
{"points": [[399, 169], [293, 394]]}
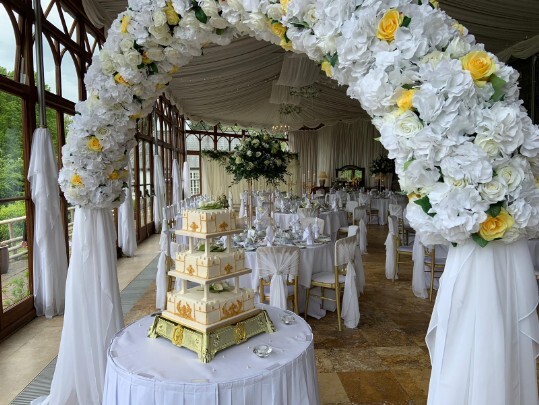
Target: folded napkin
{"points": [[270, 236], [316, 230], [308, 235]]}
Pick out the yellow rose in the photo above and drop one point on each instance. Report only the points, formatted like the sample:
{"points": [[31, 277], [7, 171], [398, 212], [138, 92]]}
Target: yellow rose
{"points": [[327, 68], [286, 45], [145, 59], [404, 102], [76, 180], [480, 66], [495, 227], [114, 175], [414, 196], [175, 69], [120, 80], [284, 3], [459, 27], [278, 29], [172, 16], [435, 3], [389, 23], [94, 144], [160, 86], [124, 23]]}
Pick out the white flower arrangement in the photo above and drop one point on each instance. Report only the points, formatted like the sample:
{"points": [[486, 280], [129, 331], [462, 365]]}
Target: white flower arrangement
{"points": [[448, 112]]}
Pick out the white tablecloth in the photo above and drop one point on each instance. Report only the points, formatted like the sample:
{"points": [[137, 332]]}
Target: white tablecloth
{"points": [[148, 371], [382, 204], [533, 245]]}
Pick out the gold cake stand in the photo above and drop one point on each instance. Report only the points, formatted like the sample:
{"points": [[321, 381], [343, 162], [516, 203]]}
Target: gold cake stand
{"points": [[206, 342]]}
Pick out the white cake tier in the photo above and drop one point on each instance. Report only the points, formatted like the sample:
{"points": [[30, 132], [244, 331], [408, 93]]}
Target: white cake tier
{"points": [[218, 306], [208, 221], [215, 264]]}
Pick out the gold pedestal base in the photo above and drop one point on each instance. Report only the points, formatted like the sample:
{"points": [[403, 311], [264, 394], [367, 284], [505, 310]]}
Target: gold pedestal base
{"points": [[207, 344]]}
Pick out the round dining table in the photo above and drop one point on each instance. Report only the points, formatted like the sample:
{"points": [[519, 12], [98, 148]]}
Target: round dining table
{"points": [[142, 370], [333, 220]]}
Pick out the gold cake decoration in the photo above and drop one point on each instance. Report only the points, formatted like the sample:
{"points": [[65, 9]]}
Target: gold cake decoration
{"points": [[240, 332], [233, 309], [228, 268], [223, 226], [194, 226], [177, 335], [190, 270], [184, 311]]}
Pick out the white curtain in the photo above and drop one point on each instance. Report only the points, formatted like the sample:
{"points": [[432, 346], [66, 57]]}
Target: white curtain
{"points": [[305, 144], [159, 189], [298, 70], [93, 313], [176, 183], [49, 250], [186, 182], [216, 181], [281, 95], [127, 235]]}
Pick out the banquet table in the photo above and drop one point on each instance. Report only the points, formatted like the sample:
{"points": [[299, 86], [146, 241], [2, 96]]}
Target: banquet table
{"points": [[382, 204], [315, 259], [141, 370], [333, 220]]}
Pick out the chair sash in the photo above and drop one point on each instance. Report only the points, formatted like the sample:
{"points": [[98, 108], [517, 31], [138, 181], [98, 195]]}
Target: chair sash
{"points": [[345, 254], [391, 247], [279, 263], [360, 214], [396, 210], [308, 212]]}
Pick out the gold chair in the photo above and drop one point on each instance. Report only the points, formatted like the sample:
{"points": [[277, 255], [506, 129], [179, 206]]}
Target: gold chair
{"points": [[401, 251], [372, 212], [333, 280], [433, 265], [282, 260]]}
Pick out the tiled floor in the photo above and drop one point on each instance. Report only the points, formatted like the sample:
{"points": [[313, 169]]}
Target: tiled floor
{"points": [[384, 361]]}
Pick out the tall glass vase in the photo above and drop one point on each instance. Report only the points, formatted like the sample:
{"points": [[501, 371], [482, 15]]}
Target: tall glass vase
{"points": [[483, 336], [249, 204]]}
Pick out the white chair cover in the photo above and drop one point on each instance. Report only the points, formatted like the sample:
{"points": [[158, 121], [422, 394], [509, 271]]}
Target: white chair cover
{"points": [[307, 212], [345, 254], [363, 199], [159, 189], [351, 206], [390, 247], [396, 210], [278, 262], [360, 214], [352, 230], [127, 235], [50, 259], [243, 205], [310, 221], [419, 284]]}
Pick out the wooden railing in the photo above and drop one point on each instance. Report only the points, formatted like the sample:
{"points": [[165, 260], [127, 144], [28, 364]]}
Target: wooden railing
{"points": [[14, 243]]}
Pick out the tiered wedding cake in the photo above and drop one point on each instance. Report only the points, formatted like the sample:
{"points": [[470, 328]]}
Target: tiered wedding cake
{"points": [[213, 302]]}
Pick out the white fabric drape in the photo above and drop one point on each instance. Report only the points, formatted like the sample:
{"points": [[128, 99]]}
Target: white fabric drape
{"points": [[305, 144], [186, 182], [159, 189], [281, 95], [483, 336], [49, 251], [280, 263], [361, 216], [521, 50], [127, 234], [298, 70], [176, 183], [93, 313], [419, 284], [345, 251], [391, 247], [161, 275]]}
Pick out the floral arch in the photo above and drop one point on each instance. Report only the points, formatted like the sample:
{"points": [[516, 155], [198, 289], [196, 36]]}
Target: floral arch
{"points": [[448, 112]]}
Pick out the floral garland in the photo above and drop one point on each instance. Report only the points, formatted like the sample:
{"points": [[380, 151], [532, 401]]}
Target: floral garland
{"points": [[447, 110], [382, 165]]}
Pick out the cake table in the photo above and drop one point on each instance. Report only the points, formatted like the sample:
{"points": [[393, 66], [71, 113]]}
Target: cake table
{"points": [[148, 371]]}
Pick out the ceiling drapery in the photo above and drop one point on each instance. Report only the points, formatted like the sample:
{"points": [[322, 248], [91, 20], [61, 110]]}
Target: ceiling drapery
{"points": [[233, 84]]}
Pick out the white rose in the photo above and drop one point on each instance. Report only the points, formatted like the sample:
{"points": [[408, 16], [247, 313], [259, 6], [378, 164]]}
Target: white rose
{"points": [[521, 212], [309, 15], [488, 144], [457, 183], [457, 47], [512, 176], [407, 124], [328, 45], [133, 58], [126, 44], [102, 132], [493, 191], [422, 174], [433, 58], [107, 65], [257, 21], [218, 22], [155, 54], [159, 18], [275, 11], [209, 7]]}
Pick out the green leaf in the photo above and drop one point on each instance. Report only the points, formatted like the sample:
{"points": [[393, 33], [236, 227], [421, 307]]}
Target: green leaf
{"points": [[332, 59], [419, 3], [220, 31], [408, 86], [406, 21], [300, 25], [201, 15], [408, 163], [453, 244], [497, 85], [153, 68], [495, 209], [424, 203], [479, 240]]}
